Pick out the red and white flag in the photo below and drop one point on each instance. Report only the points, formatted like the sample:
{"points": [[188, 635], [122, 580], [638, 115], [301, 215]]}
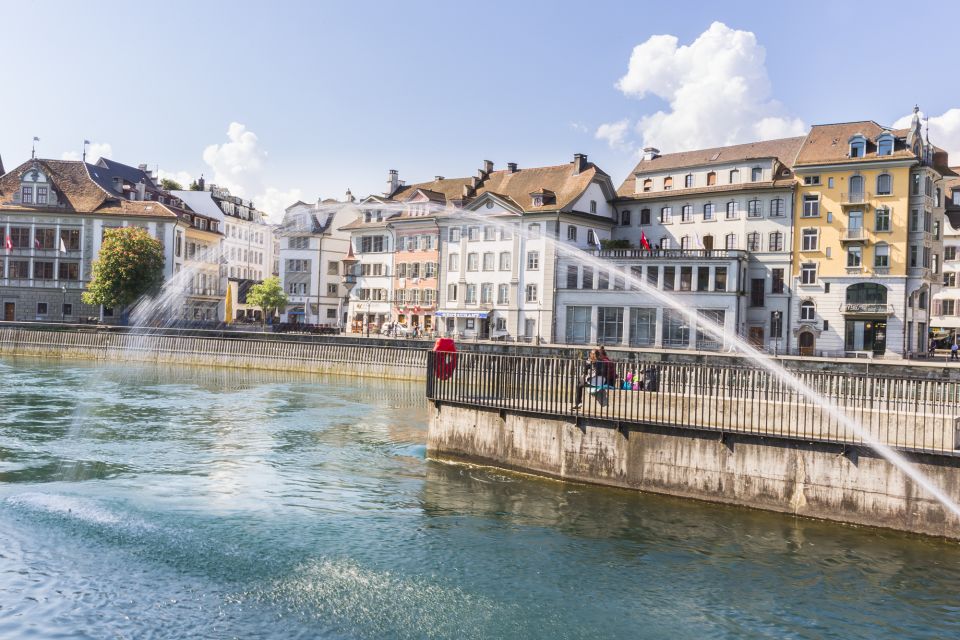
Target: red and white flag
{"points": [[644, 243], [8, 244]]}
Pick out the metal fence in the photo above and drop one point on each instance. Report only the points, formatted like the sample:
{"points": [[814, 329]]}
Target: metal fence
{"points": [[914, 414]]}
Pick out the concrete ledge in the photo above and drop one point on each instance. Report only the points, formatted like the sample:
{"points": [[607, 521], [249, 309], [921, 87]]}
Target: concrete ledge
{"points": [[819, 480]]}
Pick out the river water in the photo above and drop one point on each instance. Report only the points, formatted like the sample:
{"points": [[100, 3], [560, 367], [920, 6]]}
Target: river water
{"points": [[149, 502]]}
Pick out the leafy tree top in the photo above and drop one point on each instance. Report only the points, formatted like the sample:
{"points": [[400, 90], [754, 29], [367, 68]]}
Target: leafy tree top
{"points": [[168, 184], [129, 265], [267, 295]]}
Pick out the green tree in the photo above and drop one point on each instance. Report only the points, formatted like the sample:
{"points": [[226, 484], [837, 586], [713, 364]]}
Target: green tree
{"points": [[195, 186], [268, 295], [130, 264], [615, 244], [168, 184]]}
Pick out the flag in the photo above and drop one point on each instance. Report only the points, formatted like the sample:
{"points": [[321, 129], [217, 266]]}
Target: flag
{"points": [[699, 241], [8, 244], [36, 139], [36, 243], [644, 243], [63, 247]]}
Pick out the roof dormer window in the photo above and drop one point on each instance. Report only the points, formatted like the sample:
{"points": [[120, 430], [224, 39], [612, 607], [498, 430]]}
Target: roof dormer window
{"points": [[667, 183], [858, 146], [885, 144], [538, 200], [647, 185], [26, 196]]}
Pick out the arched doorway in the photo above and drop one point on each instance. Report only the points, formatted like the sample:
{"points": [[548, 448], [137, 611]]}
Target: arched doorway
{"points": [[807, 342]]}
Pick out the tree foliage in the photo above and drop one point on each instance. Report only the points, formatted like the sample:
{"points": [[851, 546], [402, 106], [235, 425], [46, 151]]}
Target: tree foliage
{"points": [[195, 186], [615, 244], [168, 184], [129, 265], [268, 295]]}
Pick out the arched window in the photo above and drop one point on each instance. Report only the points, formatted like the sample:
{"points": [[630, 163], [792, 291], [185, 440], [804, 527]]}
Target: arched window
{"points": [[856, 188], [711, 178], [685, 242], [665, 242], [734, 176], [881, 256], [884, 184], [647, 184], [858, 146], [756, 174], [572, 233], [688, 180], [885, 144], [731, 241], [753, 241], [808, 311], [866, 293], [667, 183]]}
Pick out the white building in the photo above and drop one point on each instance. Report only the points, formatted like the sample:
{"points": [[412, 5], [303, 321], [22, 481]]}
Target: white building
{"points": [[312, 248], [945, 319], [729, 206], [373, 247]]}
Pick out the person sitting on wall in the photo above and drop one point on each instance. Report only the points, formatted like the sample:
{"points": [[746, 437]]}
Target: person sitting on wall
{"points": [[592, 376], [651, 379]]}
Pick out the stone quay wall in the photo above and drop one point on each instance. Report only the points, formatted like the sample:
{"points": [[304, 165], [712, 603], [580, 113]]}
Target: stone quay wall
{"points": [[823, 480]]}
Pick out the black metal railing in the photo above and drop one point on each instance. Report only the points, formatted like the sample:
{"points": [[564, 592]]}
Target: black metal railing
{"points": [[908, 413]]}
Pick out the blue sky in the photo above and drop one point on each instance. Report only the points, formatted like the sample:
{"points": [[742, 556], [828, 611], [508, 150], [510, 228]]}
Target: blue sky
{"points": [[331, 96]]}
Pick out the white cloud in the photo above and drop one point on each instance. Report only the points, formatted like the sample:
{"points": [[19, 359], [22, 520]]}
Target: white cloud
{"points": [[273, 201], [944, 131], [615, 133], [579, 127], [236, 164], [717, 89], [95, 151]]}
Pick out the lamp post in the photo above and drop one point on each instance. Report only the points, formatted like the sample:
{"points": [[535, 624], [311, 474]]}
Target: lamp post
{"points": [[539, 312], [776, 319], [63, 305]]}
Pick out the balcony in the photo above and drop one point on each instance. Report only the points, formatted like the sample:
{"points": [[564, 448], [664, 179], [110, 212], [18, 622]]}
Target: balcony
{"points": [[866, 309], [854, 234], [712, 254], [854, 198]]}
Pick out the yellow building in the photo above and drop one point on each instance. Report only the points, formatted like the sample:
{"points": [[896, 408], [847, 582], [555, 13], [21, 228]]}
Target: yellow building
{"points": [[868, 229]]}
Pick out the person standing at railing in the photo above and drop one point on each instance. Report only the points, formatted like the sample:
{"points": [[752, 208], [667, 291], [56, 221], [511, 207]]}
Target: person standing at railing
{"points": [[591, 376], [954, 351]]}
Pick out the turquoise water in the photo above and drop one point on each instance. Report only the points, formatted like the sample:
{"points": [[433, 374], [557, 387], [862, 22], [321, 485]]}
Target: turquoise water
{"points": [[147, 502]]}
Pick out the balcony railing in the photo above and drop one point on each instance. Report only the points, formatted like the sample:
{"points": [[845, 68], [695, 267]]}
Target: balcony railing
{"points": [[854, 197], [871, 308], [713, 254], [854, 234]]}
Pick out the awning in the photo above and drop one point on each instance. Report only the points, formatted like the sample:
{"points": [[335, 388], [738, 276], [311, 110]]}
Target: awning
{"points": [[462, 314]]}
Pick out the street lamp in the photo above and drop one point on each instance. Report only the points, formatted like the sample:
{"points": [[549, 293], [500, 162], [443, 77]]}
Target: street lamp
{"points": [[539, 311], [776, 320], [63, 305]]}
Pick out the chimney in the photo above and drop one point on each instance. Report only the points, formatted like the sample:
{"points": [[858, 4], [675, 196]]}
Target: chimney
{"points": [[512, 167], [141, 190], [579, 163], [649, 153], [475, 182], [488, 166], [393, 181], [142, 167], [438, 178], [467, 192]]}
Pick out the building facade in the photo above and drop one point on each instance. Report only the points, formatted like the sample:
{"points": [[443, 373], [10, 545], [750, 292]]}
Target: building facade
{"points": [[945, 319]]}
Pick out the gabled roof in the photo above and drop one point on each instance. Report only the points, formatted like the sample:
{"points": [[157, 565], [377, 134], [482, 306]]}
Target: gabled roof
{"points": [[560, 179], [449, 188], [783, 149], [830, 143]]}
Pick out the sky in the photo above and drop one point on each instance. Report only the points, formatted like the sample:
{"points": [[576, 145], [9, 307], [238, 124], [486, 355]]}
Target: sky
{"points": [[302, 100]]}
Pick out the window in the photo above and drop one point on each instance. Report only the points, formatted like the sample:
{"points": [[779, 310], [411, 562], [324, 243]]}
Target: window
{"points": [[688, 181], [711, 178], [730, 241], [19, 269], [20, 237], [643, 327], [41, 308], [27, 195], [505, 261], [808, 311], [928, 186], [579, 324], [587, 278], [644, 216], [333, 268], [686, 213], [624, 220], [915, 185], [858, 147], [884, 184], [753, 241], [756, 292], [486, 293], [949, 253], [534, 230], [686, 279], [593, 206], [533, 260], [734, 176], [503, 294], [703, 278], [914, 255], [665, 243], [732, 210], [669, 278], [69, 271], [453, 262], [473, 262], [489, 233], [811, 180], [603, 280], [666, 215], [856, 189], [573, 274], [45, 238], [42, 270], [471, 294], [609, 325], [454, 234], [429, 269], [676, 329], [776, 280], [332, 289], [685, 243], [452, 293], [756, 174], [653, 277], [885, 145], [572, 233], [776, 208], [866, 293], [667, 183], [754, 210], [915, 220], [531, 293], [369, 244], [708, 211], [854, 257], [882, 220], [881, 256], [809, 239], [950, 279], [67, 309], [775, 241], [473, 234], [808, 273], [489, 260], [647, 184], [811, 206]]}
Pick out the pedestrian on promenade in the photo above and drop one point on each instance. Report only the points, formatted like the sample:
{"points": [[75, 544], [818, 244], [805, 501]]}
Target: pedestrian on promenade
{"points": [[591, 376], [954, 351], [609, 366], [651, 379], [932, 348]]}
